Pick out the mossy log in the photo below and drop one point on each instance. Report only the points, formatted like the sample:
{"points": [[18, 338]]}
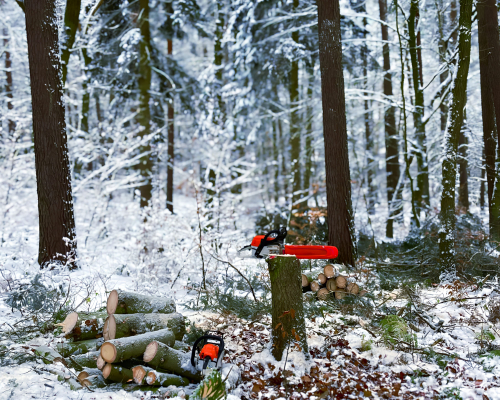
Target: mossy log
{"points": [[83, 326], [49, 355], [288, 324], [121, 302], [87, 360], [155, 378], [75, 348], [117, 350], [159, 355], [63, 377], [181, 346], [117, 373], [124, 325]]}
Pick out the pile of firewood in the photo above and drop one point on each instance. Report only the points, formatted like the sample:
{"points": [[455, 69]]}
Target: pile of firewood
{"points": [[329, 282], [136, 342]]}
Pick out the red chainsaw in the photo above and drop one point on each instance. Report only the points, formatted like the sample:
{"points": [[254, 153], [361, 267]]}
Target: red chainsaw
{"points": [[272, 243]]}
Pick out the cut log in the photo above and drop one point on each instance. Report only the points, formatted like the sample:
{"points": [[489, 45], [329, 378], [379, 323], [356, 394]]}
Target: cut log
{"points": [[75, 348], [121, 302], [363, 292], [341, 281], [87, 360], [83, 326], [94, 381], [331, 285], [315, 286], [352, 288], [63, 377], [322, 278], [340, 294], [305, 280], [159, 355], [117, 373], [49, 355], [288, 323], [117, 350], [323, 293], [139, 372], [331, 271], [123, 325], [181, 346], [155, 378], [100, 362]]}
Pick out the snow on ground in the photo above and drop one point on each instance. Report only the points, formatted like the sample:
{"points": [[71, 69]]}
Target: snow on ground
{"points": [[158, 253]]}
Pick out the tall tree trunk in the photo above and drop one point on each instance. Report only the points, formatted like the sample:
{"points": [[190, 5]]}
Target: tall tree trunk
{"points": [[487, 106], [55, 201], [443, 48], [463, 188], [144, 117], [391, 134], [294, 122], [9, 87], [338, 180], [459, 100], [493, 45], [170, 138], [276, 155], [309, 132], [71, 20], [422, 192]]}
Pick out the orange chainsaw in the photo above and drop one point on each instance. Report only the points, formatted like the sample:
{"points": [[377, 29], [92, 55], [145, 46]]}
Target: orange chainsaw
{"points": [[272, 243], [208, 352]]}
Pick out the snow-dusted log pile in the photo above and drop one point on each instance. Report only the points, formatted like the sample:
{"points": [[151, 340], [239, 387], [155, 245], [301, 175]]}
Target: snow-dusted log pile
{"points": [[139, 346]]}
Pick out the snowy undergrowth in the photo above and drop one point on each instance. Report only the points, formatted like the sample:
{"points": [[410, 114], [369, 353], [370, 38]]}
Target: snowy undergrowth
{"points": [[412, 342]]}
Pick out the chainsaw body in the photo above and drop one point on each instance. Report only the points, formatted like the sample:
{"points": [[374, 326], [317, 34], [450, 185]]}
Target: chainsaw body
{"points": [[272, 243], [207, 353]]}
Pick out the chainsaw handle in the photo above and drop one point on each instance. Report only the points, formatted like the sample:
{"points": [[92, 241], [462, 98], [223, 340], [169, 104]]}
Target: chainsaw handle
{"points": [[280, 237], [213, 337]]}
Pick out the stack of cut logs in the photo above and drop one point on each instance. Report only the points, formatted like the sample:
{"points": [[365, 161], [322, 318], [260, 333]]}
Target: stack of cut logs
{"points": [[138, 340], [329, 282]]}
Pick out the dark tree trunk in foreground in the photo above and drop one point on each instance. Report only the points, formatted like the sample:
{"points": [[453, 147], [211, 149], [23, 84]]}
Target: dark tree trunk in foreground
{"points": [[422, 192], [491, 32], [55, 201], [458, 102], [488, 108], [463, 188], [146, 163], [9, 87], [170, 138], [288, 324], [338, 180], [71, 19], [391, 134]]}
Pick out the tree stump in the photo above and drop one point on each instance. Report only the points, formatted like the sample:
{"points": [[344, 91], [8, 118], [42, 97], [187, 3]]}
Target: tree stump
{"points": [[288, 324]]}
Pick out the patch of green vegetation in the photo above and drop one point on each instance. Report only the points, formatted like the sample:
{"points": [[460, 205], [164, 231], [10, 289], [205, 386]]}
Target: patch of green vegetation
{"points": [[366, 345], [451, 393], [395, 332], [192, 333]]}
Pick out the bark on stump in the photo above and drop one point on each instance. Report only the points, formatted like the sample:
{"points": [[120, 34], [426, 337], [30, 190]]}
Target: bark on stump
{"points": [[288, 324], [159, 355], [121, 302], [124, 325]]}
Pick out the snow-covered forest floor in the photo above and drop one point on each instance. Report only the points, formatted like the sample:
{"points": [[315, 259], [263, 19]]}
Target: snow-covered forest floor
{"points": [[409, 342]]}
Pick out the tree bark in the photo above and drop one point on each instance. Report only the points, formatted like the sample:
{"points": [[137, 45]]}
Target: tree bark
{"points": [[71, 20], [117, 373], [488, 109], [9, 86], [88, 360], [309, 133], [463, 188], [144, 117], [391, 135], [160, 355], [124, 325], [338, 181], [295, 122], [122, 302], [288, 324], [55, 202], [422, 192], [491, 31], [77, 348], [117, 350], [459, 100], [170, 138], [155, 378]]}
